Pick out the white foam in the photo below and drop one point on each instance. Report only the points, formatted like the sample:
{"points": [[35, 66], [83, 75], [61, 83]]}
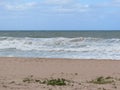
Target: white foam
{"points": [[80, 47]]}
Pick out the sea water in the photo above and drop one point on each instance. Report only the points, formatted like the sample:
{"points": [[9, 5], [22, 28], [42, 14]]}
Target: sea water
{"points": [[61, 44]]}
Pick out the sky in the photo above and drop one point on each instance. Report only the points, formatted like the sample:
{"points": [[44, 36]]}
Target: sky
{"points": [[59, 14]]}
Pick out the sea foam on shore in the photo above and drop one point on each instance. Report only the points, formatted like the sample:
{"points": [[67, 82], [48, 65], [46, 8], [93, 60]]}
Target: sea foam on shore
{"points": [[60, 47]]}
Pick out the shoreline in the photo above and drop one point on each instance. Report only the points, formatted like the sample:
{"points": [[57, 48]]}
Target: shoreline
{"points": [[78, 70], [81, 59]]}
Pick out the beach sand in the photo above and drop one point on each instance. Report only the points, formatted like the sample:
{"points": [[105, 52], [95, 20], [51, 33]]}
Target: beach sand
{"points": [[80, 73]]}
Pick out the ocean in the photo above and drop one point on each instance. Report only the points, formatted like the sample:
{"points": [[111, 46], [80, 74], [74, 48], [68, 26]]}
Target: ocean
{"points": [[61, 44]]}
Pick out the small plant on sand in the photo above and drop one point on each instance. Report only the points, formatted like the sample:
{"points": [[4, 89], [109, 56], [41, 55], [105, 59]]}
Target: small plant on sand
{"points": [[55, 82], [28, 79], [102, 80], [109, 77]]}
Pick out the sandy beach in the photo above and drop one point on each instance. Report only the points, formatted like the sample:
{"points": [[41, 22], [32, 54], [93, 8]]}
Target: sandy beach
{"points": [[80, 73]]}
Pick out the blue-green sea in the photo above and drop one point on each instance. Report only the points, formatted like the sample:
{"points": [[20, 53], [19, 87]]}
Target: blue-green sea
{"points": [[61, 44]]}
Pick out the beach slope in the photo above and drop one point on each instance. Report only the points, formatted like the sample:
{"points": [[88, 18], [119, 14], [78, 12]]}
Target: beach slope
{"points": [[82, 74]]}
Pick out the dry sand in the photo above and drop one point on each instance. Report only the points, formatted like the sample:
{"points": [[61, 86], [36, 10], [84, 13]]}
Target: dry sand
{"points": [[14, 70]]}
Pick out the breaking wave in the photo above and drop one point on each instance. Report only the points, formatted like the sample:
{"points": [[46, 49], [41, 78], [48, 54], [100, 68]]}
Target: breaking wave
{"points": [[60, 47]]}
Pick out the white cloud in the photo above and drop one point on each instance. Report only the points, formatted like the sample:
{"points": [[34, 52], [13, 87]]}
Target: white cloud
{"points": [[82, 7], [58, 1], [69, 10], [57, 6], [17, 6], [116, 0], [110, 4], [66, 6]]}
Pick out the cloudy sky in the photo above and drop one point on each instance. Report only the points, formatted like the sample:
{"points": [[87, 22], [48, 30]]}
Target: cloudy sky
{"points": [[59, 14]]}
